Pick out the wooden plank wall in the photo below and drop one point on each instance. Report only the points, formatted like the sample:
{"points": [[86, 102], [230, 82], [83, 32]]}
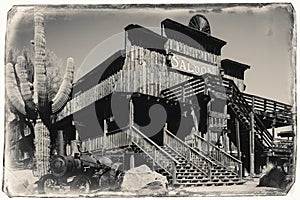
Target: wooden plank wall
{"points": [[144, 71]]}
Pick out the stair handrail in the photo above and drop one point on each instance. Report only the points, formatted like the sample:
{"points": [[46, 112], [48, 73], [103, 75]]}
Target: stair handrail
{"points": [[153, 143], [235, 94], [237, 163], [169, 166], [219, 149], [191, 152], [266, 134]]}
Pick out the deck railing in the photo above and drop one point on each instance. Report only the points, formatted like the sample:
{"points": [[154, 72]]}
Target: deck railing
{"points": [[113, 139], [131, 135], [184, 90], [118, 138], [268, 106]]}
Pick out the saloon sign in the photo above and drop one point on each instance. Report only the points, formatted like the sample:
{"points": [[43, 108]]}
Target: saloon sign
{"points": [[192, 66]]}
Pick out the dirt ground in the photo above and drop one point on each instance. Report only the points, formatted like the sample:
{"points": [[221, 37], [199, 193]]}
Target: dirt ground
{"points": [[22, 183]]}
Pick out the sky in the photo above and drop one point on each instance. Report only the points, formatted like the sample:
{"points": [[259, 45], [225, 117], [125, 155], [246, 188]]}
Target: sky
{"points": [[257, 36]]}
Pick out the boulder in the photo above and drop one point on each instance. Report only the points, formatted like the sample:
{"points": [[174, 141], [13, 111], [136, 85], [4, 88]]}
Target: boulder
{"points": [[143, 178], [274, 178]]}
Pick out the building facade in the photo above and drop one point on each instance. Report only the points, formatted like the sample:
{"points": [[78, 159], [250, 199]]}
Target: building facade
{"points": [[169, 101]]}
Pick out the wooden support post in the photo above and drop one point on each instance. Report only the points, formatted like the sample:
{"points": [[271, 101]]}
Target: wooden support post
{"points": [[193, 113], [131, 113], [251, 144], [132, 161], [174, 174], [238, 142], [126, 42], [123, 160], [209, 170], [165, 134], [208, 127], [225, 141], [273, 127], [76, 135], [153, 160], [105, 138], [240, 170]]}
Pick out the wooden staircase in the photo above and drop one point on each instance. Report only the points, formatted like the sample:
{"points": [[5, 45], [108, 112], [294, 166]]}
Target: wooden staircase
{"points": [[243, 111], [187, 174], [183, 165], [179, 162], [193, 162]]}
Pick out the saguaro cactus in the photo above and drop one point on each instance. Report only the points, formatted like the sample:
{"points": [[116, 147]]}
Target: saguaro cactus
{"points": [[31, 100]]}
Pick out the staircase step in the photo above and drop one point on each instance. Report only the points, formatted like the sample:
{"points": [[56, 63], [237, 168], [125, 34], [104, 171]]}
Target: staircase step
{"points": [[187, 170], [190, 173], [215, 180], [191, 180], [231, 176], [209, 183], [194, 173], [221, 176], [190, 177]]}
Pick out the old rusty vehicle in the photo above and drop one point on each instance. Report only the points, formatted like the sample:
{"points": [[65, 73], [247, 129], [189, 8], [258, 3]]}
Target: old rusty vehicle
{"points": [[79, 173]]}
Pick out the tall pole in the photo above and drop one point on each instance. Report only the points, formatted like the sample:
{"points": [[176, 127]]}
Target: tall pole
{"points": [[208, 126], [238, 141], [251, 140]]}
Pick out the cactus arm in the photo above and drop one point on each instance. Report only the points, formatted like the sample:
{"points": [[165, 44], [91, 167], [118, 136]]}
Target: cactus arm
{"points": [[12, 90], [40, 76], [24, 83], [64, 91], [10, 105]]}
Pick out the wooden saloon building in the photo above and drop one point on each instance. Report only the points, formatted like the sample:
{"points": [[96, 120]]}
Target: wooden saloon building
{"points": [[168, 101]]}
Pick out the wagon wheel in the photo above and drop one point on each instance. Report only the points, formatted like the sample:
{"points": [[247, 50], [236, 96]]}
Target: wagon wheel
{"points": [[47, 184], [81, 184], [200, 23]]}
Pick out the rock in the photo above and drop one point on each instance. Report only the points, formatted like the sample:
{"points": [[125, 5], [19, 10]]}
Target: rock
{"points": [[19, 182], [274, 178], [143, 178]]}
